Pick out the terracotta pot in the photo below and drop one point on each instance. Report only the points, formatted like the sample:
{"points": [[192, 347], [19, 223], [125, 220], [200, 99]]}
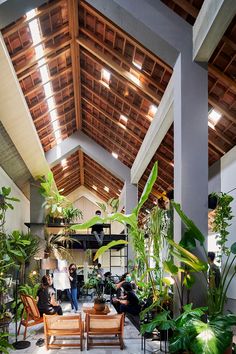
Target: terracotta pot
{"points": [[228, 350], [100, 307]]}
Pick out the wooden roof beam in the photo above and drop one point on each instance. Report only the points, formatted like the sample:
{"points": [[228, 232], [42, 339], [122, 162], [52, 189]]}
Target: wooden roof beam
{"points": [[23, 22], [214, 103], [56, 107], [231, 84], [107, 177], [187, 6], [122, 72], [50, 79], [118, 136], [47, 61], [81, 166], [158, 85], [59, 117], [95, 177], [115, 121], [74, 32], [117, 95], [47, 52], [112, 107]]}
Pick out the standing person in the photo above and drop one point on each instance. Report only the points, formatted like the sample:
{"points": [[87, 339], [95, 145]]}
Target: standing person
{"points": [[100, 271], [214, 271], [73, 286], [46, 302], [97, 229]]}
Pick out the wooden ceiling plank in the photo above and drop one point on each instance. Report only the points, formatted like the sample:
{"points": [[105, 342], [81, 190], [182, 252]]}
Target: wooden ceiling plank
{"points": [[51, 78], [119, 70], [56, 107], [59, 117], [115, 121], [97, 193], [47, 61], [224, 111], [210, 142], [106, 102], [81, 166], [75, 59], [52, 95], [47, 52], [220, 135], [118, 77], [118, 136], [17, 26], [188, 7], [71, 184], [118, 146], [158, 85], [231, 43], [43, 39], [107, 177], [96, 177], [62, 176], [117, 95], [231, 84], [126, 37]]}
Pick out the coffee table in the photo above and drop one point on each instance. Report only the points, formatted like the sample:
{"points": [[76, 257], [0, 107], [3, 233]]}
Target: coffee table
{"points": [[88, 308]]}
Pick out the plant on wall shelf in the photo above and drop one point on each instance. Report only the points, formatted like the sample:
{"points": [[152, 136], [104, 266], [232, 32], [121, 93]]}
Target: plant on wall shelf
{"points": [[72, 214]]}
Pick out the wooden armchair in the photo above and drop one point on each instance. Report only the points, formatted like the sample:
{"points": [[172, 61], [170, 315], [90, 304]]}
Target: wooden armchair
{"points": [[30, 316], [105, 326], [63, 326]]}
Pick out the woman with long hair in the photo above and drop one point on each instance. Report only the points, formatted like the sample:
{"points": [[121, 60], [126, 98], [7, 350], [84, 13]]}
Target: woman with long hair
{"points": [[46, 302], [73, 286]]}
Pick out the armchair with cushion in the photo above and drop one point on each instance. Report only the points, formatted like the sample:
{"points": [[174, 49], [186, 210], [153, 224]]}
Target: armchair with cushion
{"points": [[61, 327], [109, 327]]}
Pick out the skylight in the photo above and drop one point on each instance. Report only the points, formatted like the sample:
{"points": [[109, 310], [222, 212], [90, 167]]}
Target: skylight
{"points": [[115, 155], [214, 116], [39, 53], [106, 75], [137, 64], [94, 187], [106, 189], [64, 163], [124, 118], [152, 110]]}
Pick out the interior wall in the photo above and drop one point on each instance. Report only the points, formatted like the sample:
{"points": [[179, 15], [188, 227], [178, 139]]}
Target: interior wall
{"points": [[16, 218], [88, 208], [228, 185]]}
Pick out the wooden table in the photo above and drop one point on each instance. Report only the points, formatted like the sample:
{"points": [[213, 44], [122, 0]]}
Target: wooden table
{"points": [[88, 308]]}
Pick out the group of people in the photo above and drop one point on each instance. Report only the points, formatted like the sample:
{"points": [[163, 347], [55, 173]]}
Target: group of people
{"points": [[46, 301]]}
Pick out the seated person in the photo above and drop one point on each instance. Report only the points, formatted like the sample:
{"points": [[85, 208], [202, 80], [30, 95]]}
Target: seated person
{"points": [[97, 229], [125, 278], [129, 302], [46, 302]]}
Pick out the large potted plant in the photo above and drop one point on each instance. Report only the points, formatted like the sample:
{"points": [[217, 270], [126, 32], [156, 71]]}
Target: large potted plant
{"points": [[95, 282]]}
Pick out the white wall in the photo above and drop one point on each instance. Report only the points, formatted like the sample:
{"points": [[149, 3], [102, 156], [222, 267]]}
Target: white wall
{"points": [[16, 218], [228, 185]]}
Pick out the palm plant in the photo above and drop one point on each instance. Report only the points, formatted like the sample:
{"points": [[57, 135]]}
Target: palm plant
{"points": [[57, 245]]}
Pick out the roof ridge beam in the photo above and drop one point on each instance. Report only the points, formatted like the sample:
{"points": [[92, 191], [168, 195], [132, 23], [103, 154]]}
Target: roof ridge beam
{"points": [[79, 140]]}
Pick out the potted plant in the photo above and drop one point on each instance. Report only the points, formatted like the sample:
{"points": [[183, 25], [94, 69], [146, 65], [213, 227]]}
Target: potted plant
{"points": [[71, 214], [95, 282]]}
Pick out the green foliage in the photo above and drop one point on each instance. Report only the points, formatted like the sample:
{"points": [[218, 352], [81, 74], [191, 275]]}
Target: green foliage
{"points": [[55, 202], [112, 204], [29, 290], [111, 244], [71, 214], [5, 203], [57, 245], [4, 344]]}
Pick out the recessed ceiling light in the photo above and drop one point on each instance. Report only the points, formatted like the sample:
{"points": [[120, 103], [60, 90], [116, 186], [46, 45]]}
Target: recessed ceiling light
{"points": [[124, 118], [106, 189], [214, 116], [152, 110], [115, 155], [94, 187]]}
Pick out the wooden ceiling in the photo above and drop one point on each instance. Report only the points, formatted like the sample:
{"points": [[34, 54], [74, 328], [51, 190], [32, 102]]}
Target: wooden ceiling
{"points": [[77, 46]]}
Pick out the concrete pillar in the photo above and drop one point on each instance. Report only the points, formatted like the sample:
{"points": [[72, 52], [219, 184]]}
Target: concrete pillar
{"points": [[131, 200], [191, 152], [37, 214]]}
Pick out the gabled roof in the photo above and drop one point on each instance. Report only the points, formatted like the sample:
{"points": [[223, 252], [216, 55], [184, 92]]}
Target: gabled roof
{"points": [[105, 83]]}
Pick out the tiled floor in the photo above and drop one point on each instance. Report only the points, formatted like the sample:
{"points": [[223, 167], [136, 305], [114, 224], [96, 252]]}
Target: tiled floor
{"points": [[132, 341]]}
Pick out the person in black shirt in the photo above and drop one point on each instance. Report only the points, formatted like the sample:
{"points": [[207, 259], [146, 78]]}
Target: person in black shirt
{"points": [[130, 302], [46, 303], [214, 271], [97, 230], [73, 286]]}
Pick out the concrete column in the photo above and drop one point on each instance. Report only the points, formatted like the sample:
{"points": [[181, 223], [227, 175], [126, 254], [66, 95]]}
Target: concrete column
{"points": [[37, 214], [131, 200], [191, 152]]}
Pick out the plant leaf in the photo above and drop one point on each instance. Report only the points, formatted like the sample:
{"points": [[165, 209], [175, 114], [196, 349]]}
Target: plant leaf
{"points": [[103, 249]]}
